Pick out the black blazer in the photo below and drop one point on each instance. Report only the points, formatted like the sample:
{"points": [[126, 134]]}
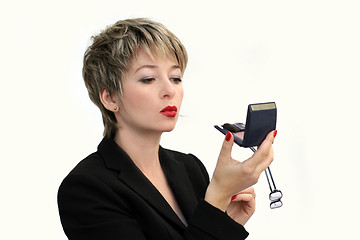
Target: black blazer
{"points": [[107, 197]]}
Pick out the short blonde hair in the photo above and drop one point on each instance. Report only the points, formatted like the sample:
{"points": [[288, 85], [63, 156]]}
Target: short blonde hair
{"points": [[110, 55]]}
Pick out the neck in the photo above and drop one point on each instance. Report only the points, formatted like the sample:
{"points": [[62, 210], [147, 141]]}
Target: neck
{"points": [[142, 148]]}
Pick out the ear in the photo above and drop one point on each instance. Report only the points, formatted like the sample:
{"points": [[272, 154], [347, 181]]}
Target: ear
{"points": [[110, 102]]}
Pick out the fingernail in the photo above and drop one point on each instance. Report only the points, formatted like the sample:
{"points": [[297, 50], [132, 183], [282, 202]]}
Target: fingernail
{"points": [[275, 132], [228, 136], [233, 197]]}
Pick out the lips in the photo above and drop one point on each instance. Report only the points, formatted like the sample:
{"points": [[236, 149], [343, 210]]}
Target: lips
{"points": [[169, 111]]}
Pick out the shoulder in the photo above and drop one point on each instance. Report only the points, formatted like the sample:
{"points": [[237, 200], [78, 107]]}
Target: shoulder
{"points": [[89, 175], [105, 162], [89, 164], [93, 165]]}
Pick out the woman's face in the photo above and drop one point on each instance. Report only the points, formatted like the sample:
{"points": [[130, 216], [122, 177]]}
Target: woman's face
{"points": [[152, 95]]}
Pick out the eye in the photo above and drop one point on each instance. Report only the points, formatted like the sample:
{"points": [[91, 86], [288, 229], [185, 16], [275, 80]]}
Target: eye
{"points": [[176, 80], [147, 80]]}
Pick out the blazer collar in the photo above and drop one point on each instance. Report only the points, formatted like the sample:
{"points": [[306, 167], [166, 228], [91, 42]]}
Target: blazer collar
{"points": [[117, 159]]}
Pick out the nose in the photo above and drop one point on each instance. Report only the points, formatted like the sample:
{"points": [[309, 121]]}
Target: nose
{"points": [[167, 89]]}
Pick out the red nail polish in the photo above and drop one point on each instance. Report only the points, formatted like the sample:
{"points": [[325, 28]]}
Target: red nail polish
{"points": [[275, 132], [228, 136], [233, 197]]}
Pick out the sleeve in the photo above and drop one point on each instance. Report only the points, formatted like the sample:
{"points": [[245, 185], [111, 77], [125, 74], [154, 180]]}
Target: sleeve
{"points": [[87, 214], [208, 222]]}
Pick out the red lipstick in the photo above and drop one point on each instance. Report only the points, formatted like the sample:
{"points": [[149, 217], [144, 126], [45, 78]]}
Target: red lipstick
{"points": [[169, 111]]}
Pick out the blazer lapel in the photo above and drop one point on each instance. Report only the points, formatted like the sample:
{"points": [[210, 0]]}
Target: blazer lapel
{"points": [[116, 159], [179, 182]]}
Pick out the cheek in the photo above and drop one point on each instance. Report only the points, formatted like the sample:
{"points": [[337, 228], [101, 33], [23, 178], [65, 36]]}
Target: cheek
{"points": [[136, 99], [181, 95]]}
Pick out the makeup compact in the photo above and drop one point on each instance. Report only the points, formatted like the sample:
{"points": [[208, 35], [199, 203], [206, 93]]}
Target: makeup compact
{"points": [[260, 120]]}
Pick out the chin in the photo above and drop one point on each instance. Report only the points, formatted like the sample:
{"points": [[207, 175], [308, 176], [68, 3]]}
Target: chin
{"points": [[168, 128]]}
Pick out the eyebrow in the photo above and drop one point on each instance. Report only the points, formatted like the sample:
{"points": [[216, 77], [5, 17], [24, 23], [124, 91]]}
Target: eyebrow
{"points": [[154, 66]]}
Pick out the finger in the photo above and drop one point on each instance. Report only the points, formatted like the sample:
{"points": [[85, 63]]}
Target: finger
{"points": [[225, 152], [249, 190], [246, 197]]}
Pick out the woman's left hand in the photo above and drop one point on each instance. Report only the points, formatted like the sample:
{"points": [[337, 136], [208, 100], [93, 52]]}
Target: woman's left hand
{"points": [[242, 206]]}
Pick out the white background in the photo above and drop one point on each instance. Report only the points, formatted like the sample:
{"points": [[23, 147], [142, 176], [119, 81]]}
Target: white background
{"points": [[304, 55]]}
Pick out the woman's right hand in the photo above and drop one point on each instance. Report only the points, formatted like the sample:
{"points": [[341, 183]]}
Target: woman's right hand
{"points": [[231, 176]]}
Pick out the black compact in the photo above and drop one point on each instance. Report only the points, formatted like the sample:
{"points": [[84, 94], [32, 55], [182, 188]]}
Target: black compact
{"points": [[260, 120]]}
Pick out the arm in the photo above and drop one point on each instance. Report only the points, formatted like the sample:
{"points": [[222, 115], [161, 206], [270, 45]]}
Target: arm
{"points": [[210, 223]]}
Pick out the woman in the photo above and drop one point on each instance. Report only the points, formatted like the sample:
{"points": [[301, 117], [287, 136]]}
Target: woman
{"points": [[131, 187]]}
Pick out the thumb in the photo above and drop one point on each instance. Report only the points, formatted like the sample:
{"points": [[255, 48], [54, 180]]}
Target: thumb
{"points": [[225, 152], [267, 143]]}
